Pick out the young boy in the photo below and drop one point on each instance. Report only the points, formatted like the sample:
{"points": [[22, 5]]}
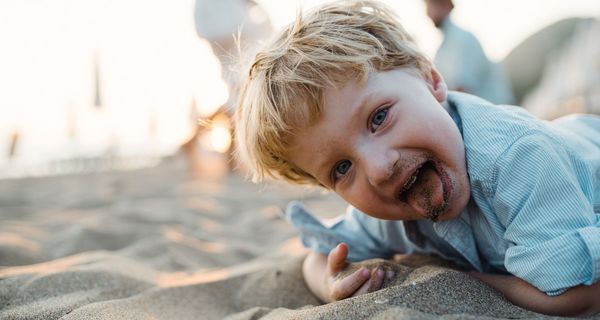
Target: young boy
{"points": [[344, 100]]}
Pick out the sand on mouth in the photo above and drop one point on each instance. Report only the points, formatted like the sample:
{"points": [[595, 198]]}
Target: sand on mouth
{"points": [[427, 195]]}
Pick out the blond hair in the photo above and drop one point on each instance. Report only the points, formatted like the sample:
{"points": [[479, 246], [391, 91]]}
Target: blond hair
{"points": [[284, 87]]}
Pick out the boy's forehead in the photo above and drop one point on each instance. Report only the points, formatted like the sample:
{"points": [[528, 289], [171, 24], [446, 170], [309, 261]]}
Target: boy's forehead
{"points": [[345, 93], [369, 85]]}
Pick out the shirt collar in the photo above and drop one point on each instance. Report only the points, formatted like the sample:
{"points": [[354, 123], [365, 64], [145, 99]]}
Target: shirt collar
{"points": [[458, 232], [451, 107]]}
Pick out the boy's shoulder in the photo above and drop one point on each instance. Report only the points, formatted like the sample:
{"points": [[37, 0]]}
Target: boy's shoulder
{"points": [[481, 118], [489, 130]]}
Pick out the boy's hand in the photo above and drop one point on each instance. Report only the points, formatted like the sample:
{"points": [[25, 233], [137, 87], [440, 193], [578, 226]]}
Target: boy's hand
{"points": [[342, 282]]}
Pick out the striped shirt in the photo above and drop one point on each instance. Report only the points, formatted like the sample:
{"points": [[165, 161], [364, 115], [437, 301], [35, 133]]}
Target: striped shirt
{"points": [[534, 210]]}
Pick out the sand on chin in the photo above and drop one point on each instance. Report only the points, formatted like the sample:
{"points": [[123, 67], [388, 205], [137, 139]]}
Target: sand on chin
{"points": [[158, 244]]}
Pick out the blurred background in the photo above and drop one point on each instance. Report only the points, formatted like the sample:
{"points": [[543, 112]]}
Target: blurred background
{"points": [[116, 192], [93, 85]]}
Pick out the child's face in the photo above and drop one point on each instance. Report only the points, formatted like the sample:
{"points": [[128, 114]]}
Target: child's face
{"points": [[388, 147]]}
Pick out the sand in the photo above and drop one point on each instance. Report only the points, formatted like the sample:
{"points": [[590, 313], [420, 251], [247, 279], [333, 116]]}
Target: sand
{"points": [[159, 244]]}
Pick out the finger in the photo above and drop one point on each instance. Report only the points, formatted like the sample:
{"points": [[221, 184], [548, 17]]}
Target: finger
{"points": [[336, 259], [363, 289], [376, 279], [390, 274], [373, 284], [345, 287]]}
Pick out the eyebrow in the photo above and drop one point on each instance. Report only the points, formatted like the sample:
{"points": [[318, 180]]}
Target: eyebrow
{"points": [[355, 112]]}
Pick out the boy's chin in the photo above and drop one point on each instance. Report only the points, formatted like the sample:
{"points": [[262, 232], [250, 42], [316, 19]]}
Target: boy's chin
{"points": [[454, 210], [449, 215]]}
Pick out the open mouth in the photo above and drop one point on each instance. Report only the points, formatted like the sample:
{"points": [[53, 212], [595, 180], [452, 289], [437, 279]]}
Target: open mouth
{"points": [[409, 183], [426, 191]]}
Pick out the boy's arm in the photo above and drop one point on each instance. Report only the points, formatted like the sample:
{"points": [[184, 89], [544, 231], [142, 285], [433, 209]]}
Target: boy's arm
{"points": [[544, 198], [577, 301], [321, 274]]}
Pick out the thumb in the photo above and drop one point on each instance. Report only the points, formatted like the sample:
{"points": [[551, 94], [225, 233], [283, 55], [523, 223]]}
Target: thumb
{"points": [[336, 260]]}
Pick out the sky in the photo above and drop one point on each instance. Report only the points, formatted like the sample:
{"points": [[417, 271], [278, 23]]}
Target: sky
{"points": [[152, 64]]}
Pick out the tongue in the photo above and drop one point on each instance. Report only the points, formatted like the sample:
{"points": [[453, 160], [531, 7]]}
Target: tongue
{"points": [[426, 196]]}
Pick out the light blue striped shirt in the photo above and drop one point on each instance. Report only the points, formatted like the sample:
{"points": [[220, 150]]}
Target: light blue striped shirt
{"points": [[534, 210]]}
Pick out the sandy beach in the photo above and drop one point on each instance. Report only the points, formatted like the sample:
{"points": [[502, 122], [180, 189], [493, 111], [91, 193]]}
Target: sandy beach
{"points": [[158, 244]]}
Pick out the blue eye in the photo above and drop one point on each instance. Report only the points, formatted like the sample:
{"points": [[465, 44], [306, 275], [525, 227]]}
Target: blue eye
{"points": [[378, 118], [340, 169]]}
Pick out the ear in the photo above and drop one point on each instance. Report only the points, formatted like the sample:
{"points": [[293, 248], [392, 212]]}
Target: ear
{"points": [[436, 84]]}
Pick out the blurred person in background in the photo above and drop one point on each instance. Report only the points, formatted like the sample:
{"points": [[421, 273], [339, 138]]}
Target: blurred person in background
{"points": [[221, 23], [232, 28], [462, 61]]}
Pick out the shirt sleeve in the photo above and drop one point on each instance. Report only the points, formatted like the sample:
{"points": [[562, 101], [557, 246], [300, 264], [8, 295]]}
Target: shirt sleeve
{"points": [[367, 237], [544, 198]]}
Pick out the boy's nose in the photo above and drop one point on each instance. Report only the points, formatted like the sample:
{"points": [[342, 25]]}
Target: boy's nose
{"points": [[379, 167]]}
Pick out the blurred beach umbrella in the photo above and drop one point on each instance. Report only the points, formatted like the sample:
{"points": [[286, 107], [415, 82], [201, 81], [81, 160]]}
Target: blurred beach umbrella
{"points": [[13, 143], [97, 92], [71, 122]]}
